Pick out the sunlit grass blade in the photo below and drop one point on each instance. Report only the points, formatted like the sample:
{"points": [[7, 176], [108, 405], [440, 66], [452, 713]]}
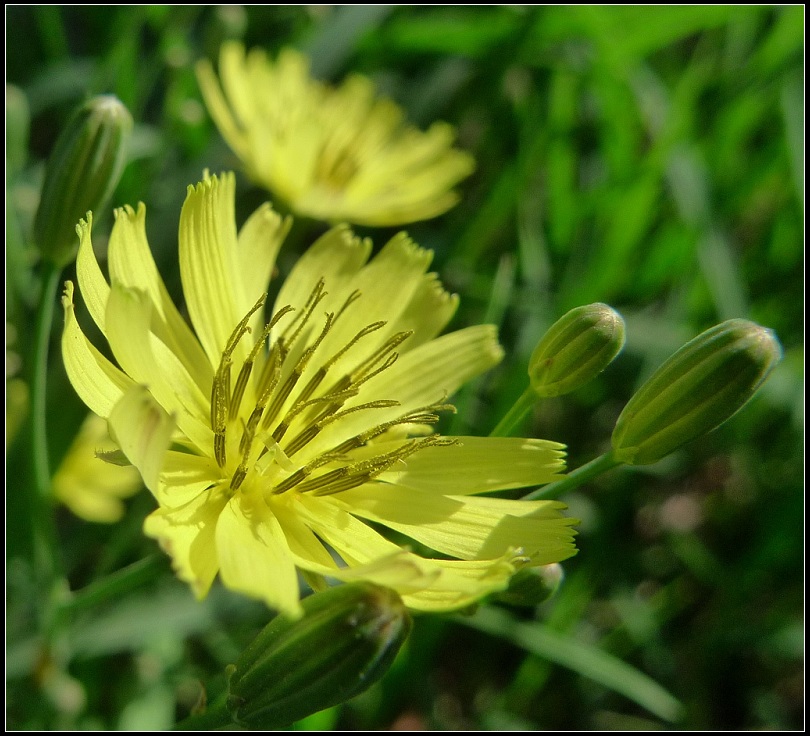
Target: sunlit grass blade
{"points": [[582, 658]]}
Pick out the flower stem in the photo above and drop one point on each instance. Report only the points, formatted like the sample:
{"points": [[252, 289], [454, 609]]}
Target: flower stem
{"points": [[115, 585], [46, 552], [575, 478], [516, 414], [215, 716]]}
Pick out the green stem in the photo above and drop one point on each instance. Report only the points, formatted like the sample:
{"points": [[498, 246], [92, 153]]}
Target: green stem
{"points": [[215, 716], [575, 478], [115, 585], [516, 414], [46, 551]]}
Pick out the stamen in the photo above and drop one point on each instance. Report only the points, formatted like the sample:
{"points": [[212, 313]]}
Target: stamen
{"points": [[423, 415], [315, 297], [364, 373], [219, 408], [330, 415], [337, 398], [221, 387], [351, 299], [256, 414], [272, 368], [238, 477], [366, 470], [378, 404], [390, 344], [300, 474], [239, 390], [292, 480], [297, 372], [241, 471], [247, 366], [242, 327], [389, 361], [316, 380], [325, 479]]}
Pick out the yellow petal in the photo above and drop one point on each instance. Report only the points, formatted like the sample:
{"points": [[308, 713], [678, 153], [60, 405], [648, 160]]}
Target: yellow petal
{"points": [[356, 542], [307, 550], [427, 314], [93, 286], [254, 556], [218, 107], [401, 571], [426, 584], [236, 72], [149, 362], [184, 477], [465, 527], [143, 431], [336, 256], [386, 286], [334, 154], [209, 268], [188, 535], [480, 465], [131, 265], [258, 245], [461, 584], [99, 384]]}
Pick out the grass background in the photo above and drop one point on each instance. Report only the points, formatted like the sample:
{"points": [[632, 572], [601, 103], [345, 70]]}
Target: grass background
{"points": [[648, 157]]}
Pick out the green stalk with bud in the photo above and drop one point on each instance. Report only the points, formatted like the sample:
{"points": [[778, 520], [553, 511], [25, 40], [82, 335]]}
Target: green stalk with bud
{"points": [[698, 388], [573, 351], [576, 349], [81, 174], [704, 383], [344, 642]]}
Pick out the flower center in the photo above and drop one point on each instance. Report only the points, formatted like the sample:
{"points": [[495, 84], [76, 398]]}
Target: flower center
{"points": [[261, 440], [336, 168]]}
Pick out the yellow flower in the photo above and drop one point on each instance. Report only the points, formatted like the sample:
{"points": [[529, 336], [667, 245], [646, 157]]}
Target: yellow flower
{"points": [[334, 154], [88, 486], [278, 444]]}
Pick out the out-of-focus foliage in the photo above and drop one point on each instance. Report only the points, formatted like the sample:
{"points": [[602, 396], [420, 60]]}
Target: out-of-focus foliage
{"points": [[650, 158]]}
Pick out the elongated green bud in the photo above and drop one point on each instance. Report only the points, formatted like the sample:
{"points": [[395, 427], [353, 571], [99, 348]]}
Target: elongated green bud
{"points": [[82, 172], [345, 641], [695, 390], [575, 349], [532, 585]]}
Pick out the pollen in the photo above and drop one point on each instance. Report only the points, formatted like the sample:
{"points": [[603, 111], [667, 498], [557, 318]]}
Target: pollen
{"points": [[315, 406]]}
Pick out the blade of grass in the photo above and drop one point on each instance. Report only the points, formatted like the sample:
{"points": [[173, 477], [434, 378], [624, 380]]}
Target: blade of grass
{"points": [[582, 658]]}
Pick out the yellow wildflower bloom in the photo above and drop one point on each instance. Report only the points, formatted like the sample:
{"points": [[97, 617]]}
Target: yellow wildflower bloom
{"points": [[334, 154], [91, 488], [270, 445]]}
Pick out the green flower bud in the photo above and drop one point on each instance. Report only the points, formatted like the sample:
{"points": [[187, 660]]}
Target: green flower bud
{"points": [[345, 641], [532, 585], [695, 390], [82, 173], [575, 349]]}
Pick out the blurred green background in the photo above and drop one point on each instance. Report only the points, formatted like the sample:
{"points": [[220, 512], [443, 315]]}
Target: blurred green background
{"points": [[651, 158]]}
